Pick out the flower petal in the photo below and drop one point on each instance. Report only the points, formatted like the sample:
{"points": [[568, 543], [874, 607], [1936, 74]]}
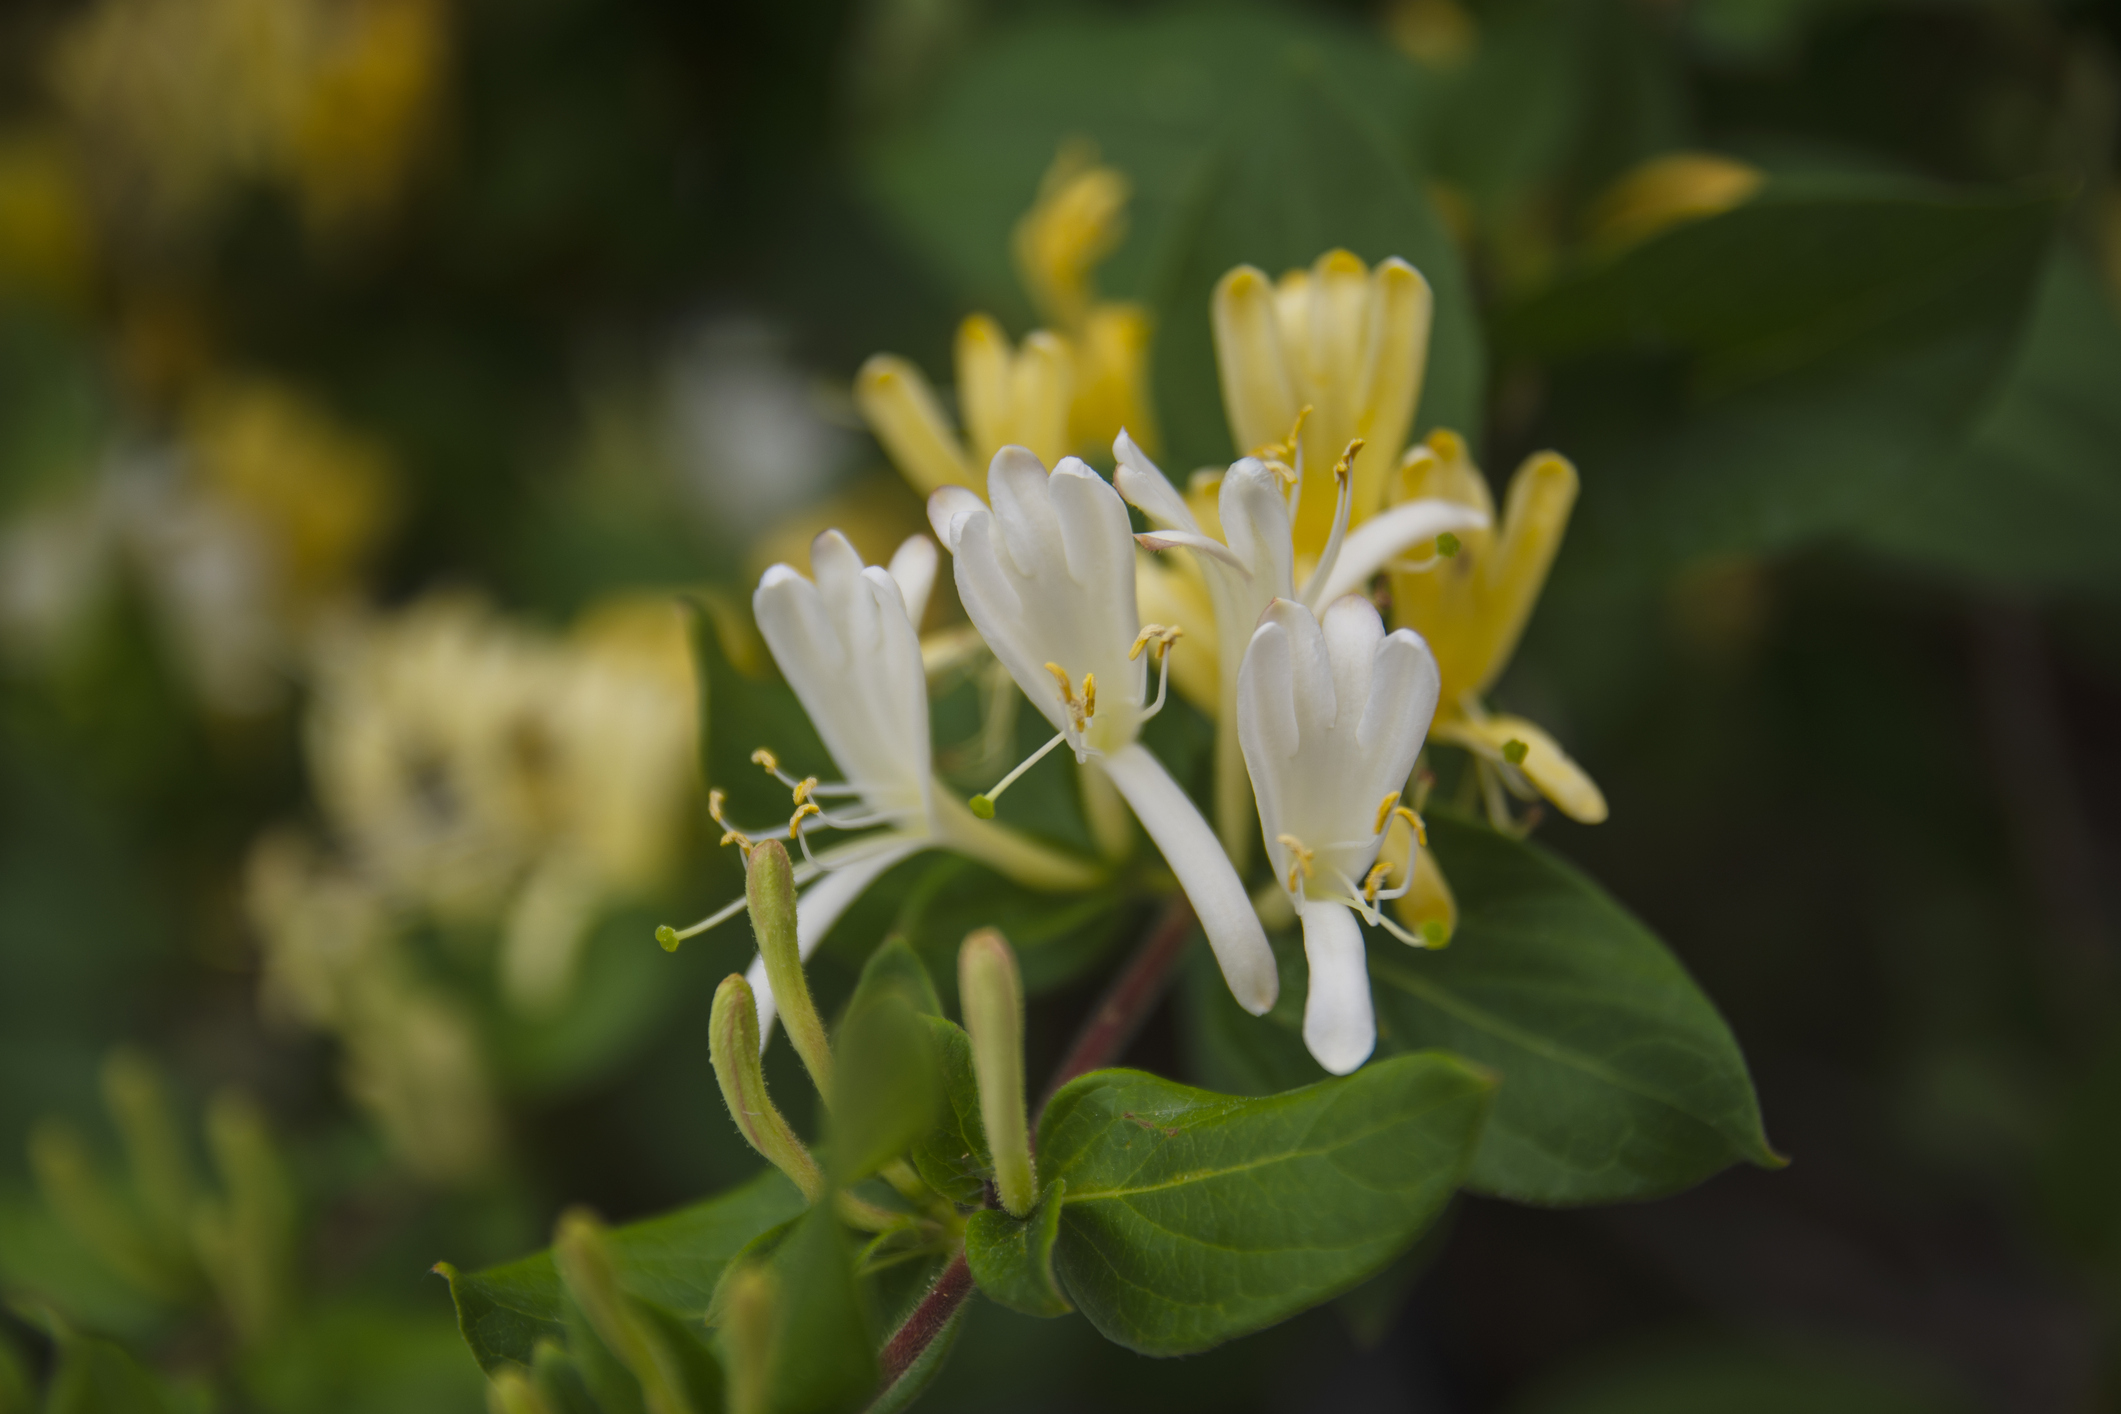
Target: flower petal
{"points": [[1203, 870], [1146, 488], [947, 509], [1339, 1026], [1258, 393], [1386, 536], [913, 567], [901, 409]]}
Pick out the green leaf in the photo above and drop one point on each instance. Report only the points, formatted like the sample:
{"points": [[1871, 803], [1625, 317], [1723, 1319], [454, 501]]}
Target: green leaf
{"points": [[98, 1377], [1619, 1079], [2033, 502], [824, 1353], [895, 966], [1778, 372], [672, 1261], [1154, 91], [1056, 936], [953, 1159], [1191, 1218], [887, 1088], [1012, 1258]]}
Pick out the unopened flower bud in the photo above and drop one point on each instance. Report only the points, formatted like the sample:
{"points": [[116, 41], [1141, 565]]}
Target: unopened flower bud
{"points": [[992, 994], [769, 891], [733, 1040], [592, 1279]]}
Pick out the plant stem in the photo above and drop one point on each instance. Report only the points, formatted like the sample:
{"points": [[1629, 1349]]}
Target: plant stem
{"points": [[1128, 1001], [929, 1319], [1119, 1014]]}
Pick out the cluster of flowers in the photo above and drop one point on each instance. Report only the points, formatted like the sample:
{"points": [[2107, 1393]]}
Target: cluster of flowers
{"points": [[1322, 714]]}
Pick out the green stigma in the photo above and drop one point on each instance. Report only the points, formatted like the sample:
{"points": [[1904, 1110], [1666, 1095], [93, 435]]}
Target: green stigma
{"points": [[1434, 933], [1447, 544], [983, 806], [1513, 751], [667, 936]]}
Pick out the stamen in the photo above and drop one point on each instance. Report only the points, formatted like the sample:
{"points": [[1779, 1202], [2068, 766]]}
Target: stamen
{"points": [[1379, 872], [983, 804], [1079, 712], [804, 788], [1090, 706], [763, 757], [795, 821], [1384, 813], [1161, 635], [670, 937], [1166, 637], [1300, 862], [1343, 467], [730, 833]]}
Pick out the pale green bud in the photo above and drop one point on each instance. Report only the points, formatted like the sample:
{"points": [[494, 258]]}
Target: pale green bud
{"points": [[991, 992], [592, 1279], [769, 891], [733, 1041]]}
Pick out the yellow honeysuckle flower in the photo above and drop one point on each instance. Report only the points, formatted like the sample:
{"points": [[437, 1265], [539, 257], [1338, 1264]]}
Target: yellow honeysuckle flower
{"points": [[1669, 191], [1056, 392], [1009, 396], [1471, 606], [1347, 342], [322, 493]]}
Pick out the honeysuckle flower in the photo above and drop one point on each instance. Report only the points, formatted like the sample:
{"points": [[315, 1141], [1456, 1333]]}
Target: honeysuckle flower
{"points": [[1077, 221], [1065, 388], [846, 644], [1254, 563], [1047, 576], [1332, 715], [1472, 606], [1346, 342]]}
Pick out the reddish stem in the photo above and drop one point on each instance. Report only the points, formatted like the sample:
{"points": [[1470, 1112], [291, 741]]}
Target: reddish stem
{"points": [[1128, 1001], [927, 1321], [1124, 1007]]}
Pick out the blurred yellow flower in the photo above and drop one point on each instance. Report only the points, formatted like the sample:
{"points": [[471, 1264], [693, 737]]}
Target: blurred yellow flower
{"points": [[47, 246], [180, 100], [334, 962], [1669, 191], [486, 771], [322, 494]]}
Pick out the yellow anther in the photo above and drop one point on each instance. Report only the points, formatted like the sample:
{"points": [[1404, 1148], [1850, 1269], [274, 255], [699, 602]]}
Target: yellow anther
{"points": [[730, 833], [795, 821], [1421, 830], [1079, 713], [1162, 635], [763, 757], [1299, 858], [1279, 454], [1384, 813], [1347, 461], [1379, 872], [803, 788]]}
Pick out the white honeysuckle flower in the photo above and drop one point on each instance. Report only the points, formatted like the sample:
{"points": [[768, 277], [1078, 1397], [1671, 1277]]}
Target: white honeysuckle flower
{"points": [[1047, 576], [1255, 563], [847, 646], [1332, 714]]}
